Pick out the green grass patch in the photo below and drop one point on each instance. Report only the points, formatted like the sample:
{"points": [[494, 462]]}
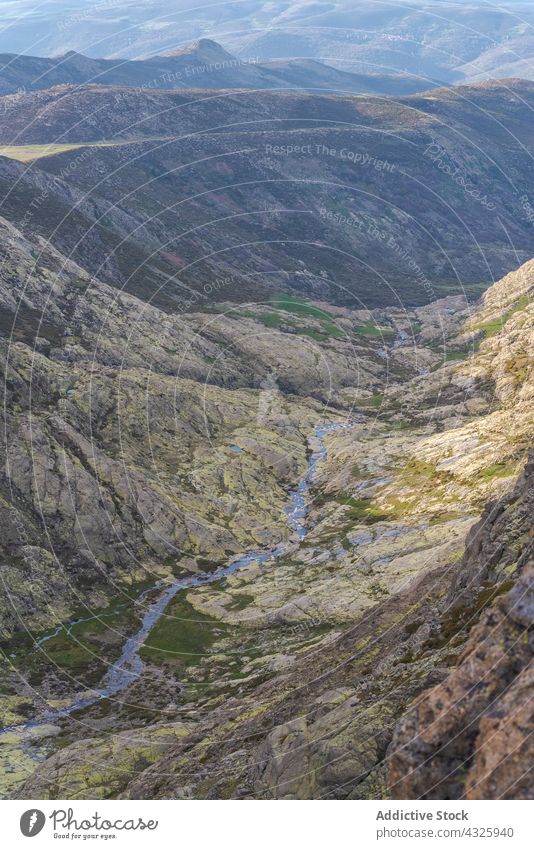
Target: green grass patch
{"points": [[417, 472], [182, 636], [270, 319], [311, 333], [360, 509], [370, 328], [498, 470], [331, 330], [298, 306], [454, 356], [277, 321], [87, 648], [491, 328], [450, 357], [302, 308], [84, 649]]}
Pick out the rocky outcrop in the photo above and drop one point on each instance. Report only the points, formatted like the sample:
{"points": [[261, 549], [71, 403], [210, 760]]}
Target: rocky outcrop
{"points": [[99, 768], [472, 736]]}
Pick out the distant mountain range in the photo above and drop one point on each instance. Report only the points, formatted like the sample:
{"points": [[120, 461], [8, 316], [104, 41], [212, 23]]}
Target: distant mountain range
{"points": [[203, 64], [448, 40]]}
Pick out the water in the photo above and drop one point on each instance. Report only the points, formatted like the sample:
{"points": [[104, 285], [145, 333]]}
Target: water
{"points": [[129, 665]]}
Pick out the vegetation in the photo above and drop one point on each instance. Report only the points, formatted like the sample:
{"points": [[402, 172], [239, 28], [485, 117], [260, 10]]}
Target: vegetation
{"points": [[416, 472], [181, 637], [298, 306], [375, 401], [498, 470], [278, 321], [357, 509], [370, 328], [460, 617], [455, 356], [86, 648], [518, 367], [31, 152], [491, 328]]}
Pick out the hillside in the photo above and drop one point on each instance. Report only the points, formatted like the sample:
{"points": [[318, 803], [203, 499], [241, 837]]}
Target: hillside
{"points": [[447, 40], [276, 191], [266, 478], [169, 444], [203, 64], [471, 736]]}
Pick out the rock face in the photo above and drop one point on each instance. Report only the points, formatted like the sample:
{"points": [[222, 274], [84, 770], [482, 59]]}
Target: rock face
{"points": [[472, 736]]}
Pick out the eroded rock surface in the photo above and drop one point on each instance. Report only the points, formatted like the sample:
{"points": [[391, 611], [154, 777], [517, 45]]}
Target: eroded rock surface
{"points": [[471, 736]]}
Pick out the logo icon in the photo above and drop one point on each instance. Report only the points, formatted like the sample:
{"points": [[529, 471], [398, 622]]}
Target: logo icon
{"points": [[32, 822]]}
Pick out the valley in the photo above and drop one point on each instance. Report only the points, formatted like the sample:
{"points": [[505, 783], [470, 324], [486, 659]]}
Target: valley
{"points": [[437, 405], [266, 491]]}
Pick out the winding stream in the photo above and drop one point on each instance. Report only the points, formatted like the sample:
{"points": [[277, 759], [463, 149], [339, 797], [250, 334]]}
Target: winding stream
{"points": [[129, 665]]}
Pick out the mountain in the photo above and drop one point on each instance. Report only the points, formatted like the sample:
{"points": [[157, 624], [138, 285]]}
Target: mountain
{"points": [[287, 678], [448, 40], [203, 64], [451, 41], [275, 191], [266, 455]]}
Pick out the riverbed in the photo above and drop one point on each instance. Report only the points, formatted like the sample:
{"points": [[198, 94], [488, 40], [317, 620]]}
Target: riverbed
{"points": [[129, 665]]}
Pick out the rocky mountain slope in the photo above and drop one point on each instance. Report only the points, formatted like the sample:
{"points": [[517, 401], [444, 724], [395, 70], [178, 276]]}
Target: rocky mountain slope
{"points": [[286, 679], [109, 483], [471, 736]]}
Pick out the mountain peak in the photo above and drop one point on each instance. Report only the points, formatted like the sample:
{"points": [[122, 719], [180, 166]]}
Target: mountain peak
{"points": [[206, 47]]}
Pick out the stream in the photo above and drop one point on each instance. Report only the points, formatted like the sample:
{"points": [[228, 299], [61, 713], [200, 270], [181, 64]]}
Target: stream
{"points": [[129, 665]]}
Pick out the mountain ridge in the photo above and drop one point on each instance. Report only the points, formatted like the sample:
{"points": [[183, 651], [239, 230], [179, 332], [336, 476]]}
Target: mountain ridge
{"points": [[204, 64], [450, 41]]}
